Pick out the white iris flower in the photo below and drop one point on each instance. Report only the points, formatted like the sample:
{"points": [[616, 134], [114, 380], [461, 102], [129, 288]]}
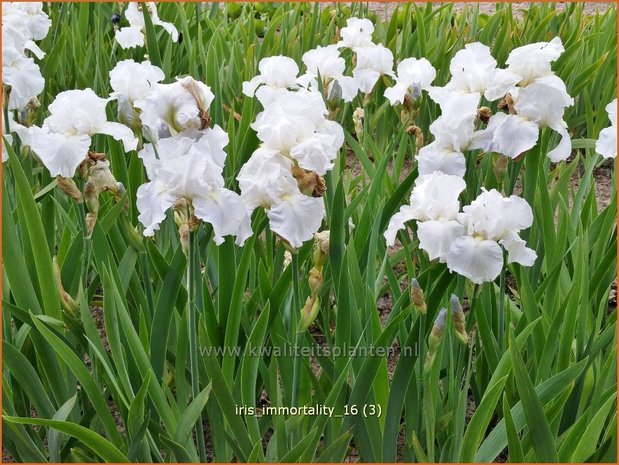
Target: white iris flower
{"points": [[266, 181], [170, 109], [474, 70], [295, 125], [22, 24], [191, 169], [356, 33], [327, 63], [454, 133], [434, 204], [469, 242], [133, 35], [606, 145], [533, 61], [413, 75], [276, 73], [491, 221], [540, 104], [130, 82], [63, 141], [372, 63]]}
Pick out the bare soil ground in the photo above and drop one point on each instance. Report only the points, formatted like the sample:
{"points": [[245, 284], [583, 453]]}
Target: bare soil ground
{"points": [[385, 9]]}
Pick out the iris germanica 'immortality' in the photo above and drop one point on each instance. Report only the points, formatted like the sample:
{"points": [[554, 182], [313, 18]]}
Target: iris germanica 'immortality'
{"points": [[327, 63], [131, 82], [22, 24], [133, 35], [63, 141], [606, 145], [189, 171]]}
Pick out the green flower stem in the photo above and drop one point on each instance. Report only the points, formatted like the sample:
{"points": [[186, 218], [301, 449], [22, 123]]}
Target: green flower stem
{"points": [[193, 345], [298, 336], [148, 285], [501, 303], [87, 242], [420, 362]]}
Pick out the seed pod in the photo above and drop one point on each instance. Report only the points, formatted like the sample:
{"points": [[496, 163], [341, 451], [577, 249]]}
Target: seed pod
{"points": [[418, 133]]}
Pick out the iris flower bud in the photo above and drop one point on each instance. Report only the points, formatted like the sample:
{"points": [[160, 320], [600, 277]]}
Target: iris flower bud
{"points": [[459, 320], [357, 119], [418, 297], [68, 304], [68, 186], [309, 313], [434, 340], [315, 280], [320, 253]]}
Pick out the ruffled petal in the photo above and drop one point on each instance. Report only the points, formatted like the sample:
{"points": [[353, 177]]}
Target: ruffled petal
{"points": [[500, 83], [433, 158], [312, 154], [397, 222], [511, 134], [349, 86], [479, 260], [153, 199], [170, 29], [397, 93], [264, 178], [249, 87], [215, 140], [606, 145], [533, 61], [225, 211], [436, 237], [296, 218], [366, 79], [130, 37], [564, 149], [435, 196], [543, 101], [60, 154], [120, 132], [416, 71], [517, 251], [25, 79]]}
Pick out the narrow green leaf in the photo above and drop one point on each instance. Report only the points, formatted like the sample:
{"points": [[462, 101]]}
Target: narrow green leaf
{"points": [[541, 436], [97, 443]]}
